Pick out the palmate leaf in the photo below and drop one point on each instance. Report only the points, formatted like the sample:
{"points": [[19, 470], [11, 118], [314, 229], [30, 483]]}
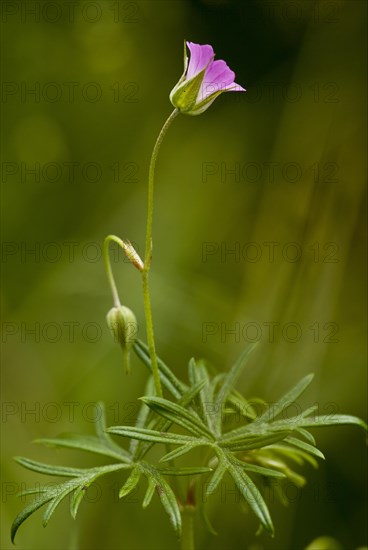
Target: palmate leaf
{"points": [[246, 443], [261, 433], [252, 496], [225, 447], [161, 424], [285, 400], [184, 471], [88, 443], [222, 468], [267, 472], [310, 449], [100, 444], [48, 469], [333, 420], [258, 427], [206, 406], [101, 432], [155, 436], [265, 435], [165, 493], [158, 484], [262, 446], [241, 405], [247, 488], [81, 478], [295, 454], [149, 493], [217, 477], [63, 490], [28, 511], [278, 457], [263, 425], [307, 435], [131, 482], [179, 451], [178, 415], [294, 423], [171, 412]]}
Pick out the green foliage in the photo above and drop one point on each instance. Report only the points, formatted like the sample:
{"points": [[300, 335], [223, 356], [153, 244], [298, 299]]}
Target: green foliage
{"points": [[261, 448]]}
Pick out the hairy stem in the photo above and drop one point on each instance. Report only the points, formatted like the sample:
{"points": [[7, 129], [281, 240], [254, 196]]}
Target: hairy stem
{"points": [[148, 256], [150, 334]]}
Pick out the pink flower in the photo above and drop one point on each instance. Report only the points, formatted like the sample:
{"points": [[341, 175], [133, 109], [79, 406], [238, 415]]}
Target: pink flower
{"points": [[202, 81]]}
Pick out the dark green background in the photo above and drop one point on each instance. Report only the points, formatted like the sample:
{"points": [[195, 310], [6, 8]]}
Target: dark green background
{"points": [[303, 64]]}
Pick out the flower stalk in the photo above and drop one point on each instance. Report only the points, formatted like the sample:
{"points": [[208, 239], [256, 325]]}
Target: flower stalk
{"points": [[151, 181], [130, 253], [148, 256], [187, 533], [106, 249]]}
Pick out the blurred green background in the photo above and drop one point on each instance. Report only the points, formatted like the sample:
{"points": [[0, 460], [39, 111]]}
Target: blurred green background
{"points": [[276, 175]]}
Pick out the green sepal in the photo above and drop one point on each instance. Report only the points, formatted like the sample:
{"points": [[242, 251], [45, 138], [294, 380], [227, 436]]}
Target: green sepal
{"points": [[184, 94]]}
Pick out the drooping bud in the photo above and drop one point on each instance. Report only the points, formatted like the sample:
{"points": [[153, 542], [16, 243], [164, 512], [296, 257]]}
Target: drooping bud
{"points": [[124, 327], [133, 255]]}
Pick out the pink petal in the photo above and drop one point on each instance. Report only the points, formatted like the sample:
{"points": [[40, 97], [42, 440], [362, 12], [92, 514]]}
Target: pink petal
{"points": [[217, 78], [219, 72], [200, 56], [235, 88]]}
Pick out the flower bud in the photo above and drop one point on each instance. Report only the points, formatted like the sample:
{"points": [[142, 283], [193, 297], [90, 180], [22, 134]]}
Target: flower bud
{"points": [[123, 325], [132, 255]]}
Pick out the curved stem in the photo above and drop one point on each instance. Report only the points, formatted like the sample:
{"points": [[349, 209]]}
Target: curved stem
{"points": [[148, 256], [110, 276], [151, 177]]}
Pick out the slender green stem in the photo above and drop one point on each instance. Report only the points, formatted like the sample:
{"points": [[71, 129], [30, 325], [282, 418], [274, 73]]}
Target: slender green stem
{"points": [[109, 239], [150, 334], [187, 532], [148, 256], [151, 178]]}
